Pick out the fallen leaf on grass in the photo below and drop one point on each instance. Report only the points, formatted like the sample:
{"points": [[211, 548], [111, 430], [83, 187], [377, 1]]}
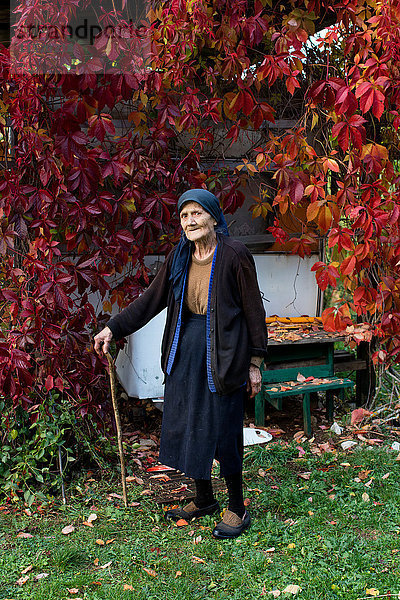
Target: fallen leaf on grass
{"points": [[364, 474], [315, 450], [75, 598], [147, 442], [161, 477], [385, 476], [68, 529], [178, 574], [292, 589], [372, 592], [41, 576], [133, 478], [100, 542], [128, 586], [275, 431], [24, 535], [179, 490], [158, 468], [72, 590], [261, 472], [110, 541], [106, 565], [27, 569], [92, 517], [365, 497], [197, 539], [325, 447], [196, 559], [275, 593], [305, 475], [301, 451], [22, 580], [181, 523], [247, 501], [358, 415], [114, 495], [150, 572]]}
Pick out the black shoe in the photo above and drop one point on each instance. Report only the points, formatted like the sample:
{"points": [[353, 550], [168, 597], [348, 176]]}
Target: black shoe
{"points": [[231, 525], [190, 511]]}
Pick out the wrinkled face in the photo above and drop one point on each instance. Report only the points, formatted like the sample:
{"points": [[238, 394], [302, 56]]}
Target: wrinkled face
{"points": [[196, 222]]}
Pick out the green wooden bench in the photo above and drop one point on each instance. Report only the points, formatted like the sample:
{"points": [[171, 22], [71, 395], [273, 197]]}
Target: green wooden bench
{"points": [[313, 359], [274, 394]]}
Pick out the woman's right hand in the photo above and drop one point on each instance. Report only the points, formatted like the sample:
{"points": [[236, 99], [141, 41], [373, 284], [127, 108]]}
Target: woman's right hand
{"points": [[102, 341]]}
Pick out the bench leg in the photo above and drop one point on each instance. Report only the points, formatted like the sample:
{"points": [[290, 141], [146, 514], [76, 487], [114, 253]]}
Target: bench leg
{"points": [[329, 405], [259, 409], [307, 414]]}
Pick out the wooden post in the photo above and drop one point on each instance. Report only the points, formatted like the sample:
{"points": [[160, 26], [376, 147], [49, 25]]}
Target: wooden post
{"points": [[118, 426]]}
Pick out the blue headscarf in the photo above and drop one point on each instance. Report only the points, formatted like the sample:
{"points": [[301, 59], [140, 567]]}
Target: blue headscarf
{"points": [[182, 254]]}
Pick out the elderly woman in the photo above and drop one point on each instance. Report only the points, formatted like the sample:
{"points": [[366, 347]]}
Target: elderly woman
{"points": [[214, 341]]}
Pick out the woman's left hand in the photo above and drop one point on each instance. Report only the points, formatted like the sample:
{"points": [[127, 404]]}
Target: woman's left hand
{"points": [[254, 381]]}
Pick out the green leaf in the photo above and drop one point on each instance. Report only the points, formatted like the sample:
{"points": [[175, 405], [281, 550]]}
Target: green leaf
{"points": [[29, 497]]}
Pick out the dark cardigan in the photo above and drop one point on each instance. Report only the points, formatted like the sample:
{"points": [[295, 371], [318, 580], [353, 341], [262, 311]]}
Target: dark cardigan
{"points": [[237, 326]]}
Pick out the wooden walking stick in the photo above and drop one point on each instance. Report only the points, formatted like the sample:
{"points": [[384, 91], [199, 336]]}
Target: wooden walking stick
{"points": [[118, 425]]}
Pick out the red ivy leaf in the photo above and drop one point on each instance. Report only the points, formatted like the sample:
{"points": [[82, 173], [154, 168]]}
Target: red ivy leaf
{"points": [[49, 383]]}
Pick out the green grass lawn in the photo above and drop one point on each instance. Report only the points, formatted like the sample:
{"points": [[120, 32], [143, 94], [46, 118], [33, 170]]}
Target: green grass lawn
{"points": [[329, 524]]}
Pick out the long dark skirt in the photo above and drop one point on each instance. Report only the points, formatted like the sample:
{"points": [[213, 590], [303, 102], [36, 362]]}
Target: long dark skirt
{"points": [[199, 425]]}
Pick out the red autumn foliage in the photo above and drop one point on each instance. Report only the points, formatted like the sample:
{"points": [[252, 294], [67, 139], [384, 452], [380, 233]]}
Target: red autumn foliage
{"points": [[102, 149]]}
